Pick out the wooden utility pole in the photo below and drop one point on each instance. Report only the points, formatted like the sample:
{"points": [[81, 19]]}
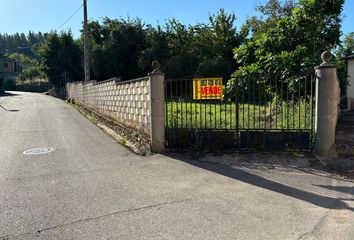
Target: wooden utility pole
{"points": [[86, 45]]}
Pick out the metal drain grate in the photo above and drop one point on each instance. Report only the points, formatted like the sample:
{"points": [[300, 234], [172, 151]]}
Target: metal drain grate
{"points": [[38, 151]]}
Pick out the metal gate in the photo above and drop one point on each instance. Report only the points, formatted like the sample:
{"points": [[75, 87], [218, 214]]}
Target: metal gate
{"points": [[254, 113]]}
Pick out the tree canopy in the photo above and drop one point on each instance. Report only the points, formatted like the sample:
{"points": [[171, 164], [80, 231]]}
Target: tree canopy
{"points": [[346, 48], [21, 43], [31, 68], [126, 48], [61, 57], [291, 38]]}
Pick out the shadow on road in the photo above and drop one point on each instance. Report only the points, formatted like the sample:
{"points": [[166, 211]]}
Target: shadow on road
{"points": [[8, 110], [8, 94], [246, 177], [342, 189]]}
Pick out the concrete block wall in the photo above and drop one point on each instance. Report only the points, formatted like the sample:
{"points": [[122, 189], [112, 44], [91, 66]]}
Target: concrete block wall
{"points": [[136, 105], [128, 102]]}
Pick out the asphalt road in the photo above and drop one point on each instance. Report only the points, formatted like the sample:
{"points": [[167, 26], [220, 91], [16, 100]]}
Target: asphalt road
{"points": [[90, 187]]}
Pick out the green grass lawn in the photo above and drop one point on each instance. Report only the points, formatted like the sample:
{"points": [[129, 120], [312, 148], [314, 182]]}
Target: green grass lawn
{"points": [[222, 115]]}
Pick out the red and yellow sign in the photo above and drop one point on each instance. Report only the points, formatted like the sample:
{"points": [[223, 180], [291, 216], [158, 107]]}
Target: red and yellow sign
{"points": [[207, 88]]}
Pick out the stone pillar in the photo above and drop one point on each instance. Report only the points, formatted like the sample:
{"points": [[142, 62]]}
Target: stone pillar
{"points": [[157, 101], [350, 88], [327, 103]]}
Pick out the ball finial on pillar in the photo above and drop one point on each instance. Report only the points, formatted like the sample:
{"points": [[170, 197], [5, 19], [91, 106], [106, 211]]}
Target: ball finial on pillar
{"points": [[326, 57], [156, 65]]}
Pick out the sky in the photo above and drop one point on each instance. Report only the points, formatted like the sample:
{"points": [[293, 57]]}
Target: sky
{"points": [[47, 15]]}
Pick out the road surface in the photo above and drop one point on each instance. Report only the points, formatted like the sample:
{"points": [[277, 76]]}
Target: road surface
{"points": [[90, 187]]}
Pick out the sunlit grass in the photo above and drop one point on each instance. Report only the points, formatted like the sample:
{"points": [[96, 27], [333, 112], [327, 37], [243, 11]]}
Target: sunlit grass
{"points": [[223, 115]]}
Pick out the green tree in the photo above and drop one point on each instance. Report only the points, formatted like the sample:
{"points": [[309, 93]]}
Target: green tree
{"points": [[61, 57], [157, 48], [31, 73], [214, 43], [31, 68], [291, 46], [24, 59], [117, 46], [346, 48], [183, 60], [21, 43], [203, 49], [126, 48]]}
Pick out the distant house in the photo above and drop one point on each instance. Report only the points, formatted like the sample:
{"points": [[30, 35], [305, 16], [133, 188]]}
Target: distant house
{"points": [[9, 70], [350, 87], [8, 66]]}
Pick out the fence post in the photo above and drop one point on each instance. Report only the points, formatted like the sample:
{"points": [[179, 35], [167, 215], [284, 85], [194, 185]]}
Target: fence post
{"points": [[157, 101], [327, 100]]}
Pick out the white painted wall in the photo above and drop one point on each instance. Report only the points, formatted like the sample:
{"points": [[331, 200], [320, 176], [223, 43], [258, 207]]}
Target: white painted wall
{"points": [[350, 89]]}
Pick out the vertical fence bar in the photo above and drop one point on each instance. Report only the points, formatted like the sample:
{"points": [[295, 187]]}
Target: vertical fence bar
{"points": [[191, 102], [225, 115], [210, 122], [299, 127], [230, 113], [305, 96], [220, 115], [205, 116], [258, 103], [166, 111], [264, 105], [190, 91], [243, 102], [287, 106], [270, 100], [282, 103], [200, 113], [180, 99], [196, 111], [171, 104], [174, 101], [248, 105], [215, 113], [312, 110], [254, 103], [237, 114], [186, 101], [276, 100], [293, 113]]}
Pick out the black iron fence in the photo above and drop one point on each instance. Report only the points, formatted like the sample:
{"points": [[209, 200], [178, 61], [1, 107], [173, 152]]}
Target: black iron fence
{"points": [[248, 113]]}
